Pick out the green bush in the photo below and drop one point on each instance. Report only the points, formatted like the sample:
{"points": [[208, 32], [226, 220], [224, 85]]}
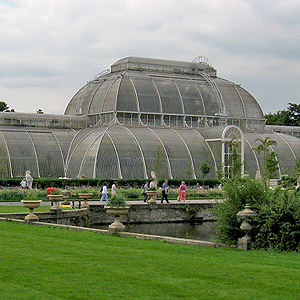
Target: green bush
{"points": [[277, 224], [31, 195], [131, 193], [16, 195], [43, 183], [117, 201]]}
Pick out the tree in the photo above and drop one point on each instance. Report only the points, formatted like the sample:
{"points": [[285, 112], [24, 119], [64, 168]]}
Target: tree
{"points": [[264, 146], [205, 169], [236, 163], [188, 170], [294, 113], [270, 167], [296, 171], [287, 117], [270, 159], [158, 164], [3, 106]]}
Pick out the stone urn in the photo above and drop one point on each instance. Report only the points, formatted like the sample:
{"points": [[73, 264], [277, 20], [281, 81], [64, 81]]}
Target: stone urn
{"points": [[66, 196], [31, 204], [116, 226], [85, 196], [245, 217], [55, 199], [153, 195]]}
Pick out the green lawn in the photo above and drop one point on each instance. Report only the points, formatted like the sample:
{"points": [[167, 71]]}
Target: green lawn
{"points": [[38, 262], [22, 209]]}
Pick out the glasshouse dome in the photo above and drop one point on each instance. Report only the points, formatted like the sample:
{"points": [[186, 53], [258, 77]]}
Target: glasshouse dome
{"points": [[145, 115]]}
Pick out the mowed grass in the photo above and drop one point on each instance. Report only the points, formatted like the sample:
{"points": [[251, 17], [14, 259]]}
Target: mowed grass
{"points": [[39, 262], [22, 209]]}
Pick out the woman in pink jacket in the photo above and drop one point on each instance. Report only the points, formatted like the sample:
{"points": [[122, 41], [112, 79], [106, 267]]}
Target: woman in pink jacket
{"points": [[182, 191]]}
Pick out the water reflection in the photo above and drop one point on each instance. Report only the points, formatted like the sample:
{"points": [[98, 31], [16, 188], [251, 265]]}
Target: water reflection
{"points": [[200, 231]]}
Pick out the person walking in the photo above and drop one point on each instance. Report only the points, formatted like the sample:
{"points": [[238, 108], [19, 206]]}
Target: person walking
{"points": [[152, 183], [182, 191], [114, 189], [164, 191], [144, 193], [23, 183], [104, 192]]}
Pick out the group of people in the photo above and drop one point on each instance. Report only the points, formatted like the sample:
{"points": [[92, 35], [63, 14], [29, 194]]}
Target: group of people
{"points": [[105, 192], [164, 191]]}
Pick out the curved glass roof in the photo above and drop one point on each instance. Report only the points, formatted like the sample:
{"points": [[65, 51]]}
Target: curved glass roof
{"points": [[145, 89], [119, 151], [42, 151]]}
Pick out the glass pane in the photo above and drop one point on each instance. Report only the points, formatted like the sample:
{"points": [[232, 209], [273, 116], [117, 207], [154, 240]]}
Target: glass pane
{"points": [[153, 151], [232, 100], [107, 163], [21, 152], [193, 103], [126, 97], [171, 102], [128, 151], [49, 156], [147, 93]]}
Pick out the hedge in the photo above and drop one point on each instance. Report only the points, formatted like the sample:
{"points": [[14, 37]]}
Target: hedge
{"points": [[43, 183]]}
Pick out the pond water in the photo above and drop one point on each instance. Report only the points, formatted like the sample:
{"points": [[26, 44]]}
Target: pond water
{"points": [[204, 231]]}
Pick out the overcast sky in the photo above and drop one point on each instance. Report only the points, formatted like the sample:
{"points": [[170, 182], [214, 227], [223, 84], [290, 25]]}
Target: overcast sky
{"points": [[49, 49]]}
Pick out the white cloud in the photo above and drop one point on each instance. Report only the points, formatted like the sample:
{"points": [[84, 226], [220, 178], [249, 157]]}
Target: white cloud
{"points": [[49, 49]]}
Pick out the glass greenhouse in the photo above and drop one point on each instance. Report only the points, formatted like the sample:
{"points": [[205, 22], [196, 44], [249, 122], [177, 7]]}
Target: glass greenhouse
{"points": [[145, 115]]}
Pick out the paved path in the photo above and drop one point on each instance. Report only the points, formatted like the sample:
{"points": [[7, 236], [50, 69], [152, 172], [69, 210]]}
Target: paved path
{"points": [[141, 202]]}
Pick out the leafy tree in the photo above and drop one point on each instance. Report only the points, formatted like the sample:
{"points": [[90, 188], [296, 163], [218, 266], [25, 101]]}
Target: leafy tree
{"points": [[3, 106], [205, 169], [270, 160], [281, 118], [294, 111], [296, 171], [236, 164], [270, 166], [188, 171], [158, 164], [264, 146], [287, 117]]}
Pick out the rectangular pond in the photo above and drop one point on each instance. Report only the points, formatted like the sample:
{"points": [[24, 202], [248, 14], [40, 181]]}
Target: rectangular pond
{"points": [[204, 231]]}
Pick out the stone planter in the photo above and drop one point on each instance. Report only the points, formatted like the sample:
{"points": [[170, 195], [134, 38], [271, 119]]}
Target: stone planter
{"points": [[116, 226], [31, 204], [55, 199], [66, 196], [85, 196], [153, 195]]}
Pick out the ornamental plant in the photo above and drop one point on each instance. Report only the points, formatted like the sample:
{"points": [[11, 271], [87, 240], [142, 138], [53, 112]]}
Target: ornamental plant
{"points": [[55, 192], [117, 201], [31, 195], [85, 191], [277, 224], [152, 189]]}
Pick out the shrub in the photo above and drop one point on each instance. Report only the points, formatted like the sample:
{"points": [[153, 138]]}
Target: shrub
{"points": [[55, 192], [277, 225], [237, 193], [131, 193], [31, 195], [43, 183], [117, 201]]}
